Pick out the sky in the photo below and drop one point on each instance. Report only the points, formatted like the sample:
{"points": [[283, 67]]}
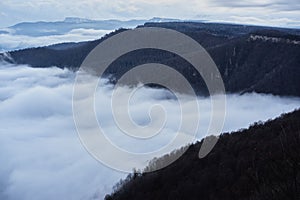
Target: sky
{"points": [[261, 12]]}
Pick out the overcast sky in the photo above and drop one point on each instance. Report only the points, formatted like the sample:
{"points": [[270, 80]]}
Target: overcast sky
{"points": [[267, 12]]}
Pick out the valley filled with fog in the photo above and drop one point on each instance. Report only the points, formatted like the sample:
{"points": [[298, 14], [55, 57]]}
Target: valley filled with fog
{"points": [[41, 155]]}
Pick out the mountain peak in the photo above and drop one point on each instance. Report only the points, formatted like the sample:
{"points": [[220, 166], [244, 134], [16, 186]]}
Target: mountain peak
{"points": [[159, 19], [76, 20]]}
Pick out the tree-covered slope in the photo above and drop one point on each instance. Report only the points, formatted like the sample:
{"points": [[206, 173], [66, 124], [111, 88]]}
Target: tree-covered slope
{"points": [[250, 58], [261, 162]]}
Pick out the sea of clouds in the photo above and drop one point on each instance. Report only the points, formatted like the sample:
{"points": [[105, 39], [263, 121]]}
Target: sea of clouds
{"points": [[41, 155], [11, 41]]}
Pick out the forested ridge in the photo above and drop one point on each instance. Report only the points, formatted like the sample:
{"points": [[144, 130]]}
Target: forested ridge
{"points": [[261, 162], [249, 58]]}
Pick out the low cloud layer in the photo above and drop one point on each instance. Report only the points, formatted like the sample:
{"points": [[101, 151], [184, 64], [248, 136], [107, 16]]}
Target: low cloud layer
{"points": [[40, 153], [11, 41]]}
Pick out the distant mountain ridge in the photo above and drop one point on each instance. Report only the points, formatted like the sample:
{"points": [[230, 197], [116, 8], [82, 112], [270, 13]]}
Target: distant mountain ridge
{"points": [[43, 28], [249, 58]]}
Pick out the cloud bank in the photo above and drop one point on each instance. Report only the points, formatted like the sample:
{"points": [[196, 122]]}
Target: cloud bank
{"points": [[10, 41], [40, 153]]}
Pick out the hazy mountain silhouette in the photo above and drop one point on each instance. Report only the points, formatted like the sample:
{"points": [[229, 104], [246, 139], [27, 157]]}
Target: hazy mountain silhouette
{"points": [[44, 28]]}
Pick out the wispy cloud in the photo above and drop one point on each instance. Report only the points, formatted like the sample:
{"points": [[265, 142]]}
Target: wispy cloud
{"points": [[278, 5]]}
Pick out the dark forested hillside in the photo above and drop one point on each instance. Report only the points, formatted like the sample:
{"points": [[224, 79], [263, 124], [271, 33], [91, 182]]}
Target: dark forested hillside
{"points": [[262, 162], [250, 58]]}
